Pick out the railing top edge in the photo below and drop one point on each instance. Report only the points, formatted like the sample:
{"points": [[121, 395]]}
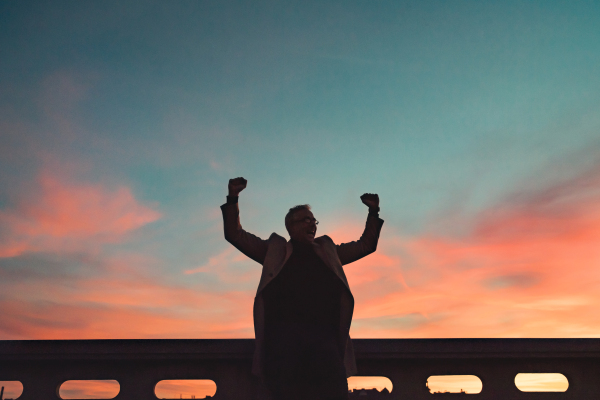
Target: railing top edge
{"points": [[227, 348]]}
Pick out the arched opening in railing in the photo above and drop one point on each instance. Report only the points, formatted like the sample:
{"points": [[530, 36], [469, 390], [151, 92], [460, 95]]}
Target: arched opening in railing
{"points": [[89, 389], [546, 382], [10, 390], [469, 384], [369, 385], [185, 389]]}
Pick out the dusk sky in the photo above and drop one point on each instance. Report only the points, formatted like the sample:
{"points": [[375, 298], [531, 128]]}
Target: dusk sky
{"points": [[477, 123]]}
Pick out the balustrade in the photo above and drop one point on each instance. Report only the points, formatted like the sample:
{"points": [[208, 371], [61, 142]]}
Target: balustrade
{"points": [[139, 365]]}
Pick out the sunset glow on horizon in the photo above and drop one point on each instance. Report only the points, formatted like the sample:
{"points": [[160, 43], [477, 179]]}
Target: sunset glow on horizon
{"points": [[477, 124]]}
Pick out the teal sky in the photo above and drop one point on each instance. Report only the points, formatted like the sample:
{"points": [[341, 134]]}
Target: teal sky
{"points": [[121, 123]]}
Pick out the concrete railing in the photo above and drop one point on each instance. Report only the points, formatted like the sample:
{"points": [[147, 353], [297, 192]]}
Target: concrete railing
{"points": [[138, 365]]}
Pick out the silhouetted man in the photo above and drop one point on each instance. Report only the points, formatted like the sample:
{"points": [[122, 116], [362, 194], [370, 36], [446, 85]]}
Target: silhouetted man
{"points": [[303, 306]]}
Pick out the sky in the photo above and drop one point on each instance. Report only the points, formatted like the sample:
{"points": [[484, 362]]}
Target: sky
{"points": [[477, 123]]}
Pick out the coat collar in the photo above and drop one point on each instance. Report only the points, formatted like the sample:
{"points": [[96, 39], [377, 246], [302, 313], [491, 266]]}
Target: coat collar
{"points": [[317, 246], [289, 247]]}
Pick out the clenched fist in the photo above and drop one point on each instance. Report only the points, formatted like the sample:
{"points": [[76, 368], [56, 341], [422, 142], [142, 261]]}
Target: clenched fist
{"points": [[371, 200], [236, 185]]}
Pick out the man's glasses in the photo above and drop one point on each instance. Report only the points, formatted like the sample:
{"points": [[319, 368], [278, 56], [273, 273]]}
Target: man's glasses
{"points": [[308, 220]]}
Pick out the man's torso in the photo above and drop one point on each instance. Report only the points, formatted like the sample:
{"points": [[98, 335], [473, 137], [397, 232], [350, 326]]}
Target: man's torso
{"points": [[302, 319]]}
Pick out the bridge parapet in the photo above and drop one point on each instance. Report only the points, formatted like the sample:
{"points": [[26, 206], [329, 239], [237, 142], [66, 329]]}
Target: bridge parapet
{"points": [[138, 365]]}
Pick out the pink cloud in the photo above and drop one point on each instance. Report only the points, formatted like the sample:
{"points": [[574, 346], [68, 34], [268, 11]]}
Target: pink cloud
{"points": [[527, 268], [229, 267], [228, 256], [121, 307], [123, 301], [60, 214]]}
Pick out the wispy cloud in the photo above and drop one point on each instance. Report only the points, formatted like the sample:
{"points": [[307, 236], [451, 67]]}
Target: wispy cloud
{"points": [[229, 268], [528, 267], [59, 214], [117, 301]]}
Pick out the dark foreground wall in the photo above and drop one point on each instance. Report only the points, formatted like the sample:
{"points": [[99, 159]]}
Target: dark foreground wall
{"points": [[42, 365]]}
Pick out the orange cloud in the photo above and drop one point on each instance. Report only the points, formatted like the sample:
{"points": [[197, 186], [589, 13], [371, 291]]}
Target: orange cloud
{"points": [[147, 311], [527, 268], [229, 267], [121, 300], [60, 215]]}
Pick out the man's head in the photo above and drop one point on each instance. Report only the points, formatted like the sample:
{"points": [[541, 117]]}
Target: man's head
{"points": [[301, 224]]}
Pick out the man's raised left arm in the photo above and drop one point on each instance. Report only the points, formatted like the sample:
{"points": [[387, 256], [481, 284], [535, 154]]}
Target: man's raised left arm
{"points": [[367, 244]]}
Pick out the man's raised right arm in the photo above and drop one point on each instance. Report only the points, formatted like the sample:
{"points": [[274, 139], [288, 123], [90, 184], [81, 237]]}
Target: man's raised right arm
{"points": [[252, 246]]}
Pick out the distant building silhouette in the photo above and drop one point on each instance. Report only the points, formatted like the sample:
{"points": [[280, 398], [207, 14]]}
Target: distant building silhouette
{"points": [[461, 392], [440, 392], [181, 397], [368, 394]]}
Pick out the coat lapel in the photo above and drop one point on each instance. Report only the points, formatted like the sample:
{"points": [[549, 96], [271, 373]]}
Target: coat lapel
{"points": [[330, 258], [325, 252]]}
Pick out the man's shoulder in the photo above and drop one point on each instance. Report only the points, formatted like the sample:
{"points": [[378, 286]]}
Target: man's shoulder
{"points": [[324, 240], [275, 238]]}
